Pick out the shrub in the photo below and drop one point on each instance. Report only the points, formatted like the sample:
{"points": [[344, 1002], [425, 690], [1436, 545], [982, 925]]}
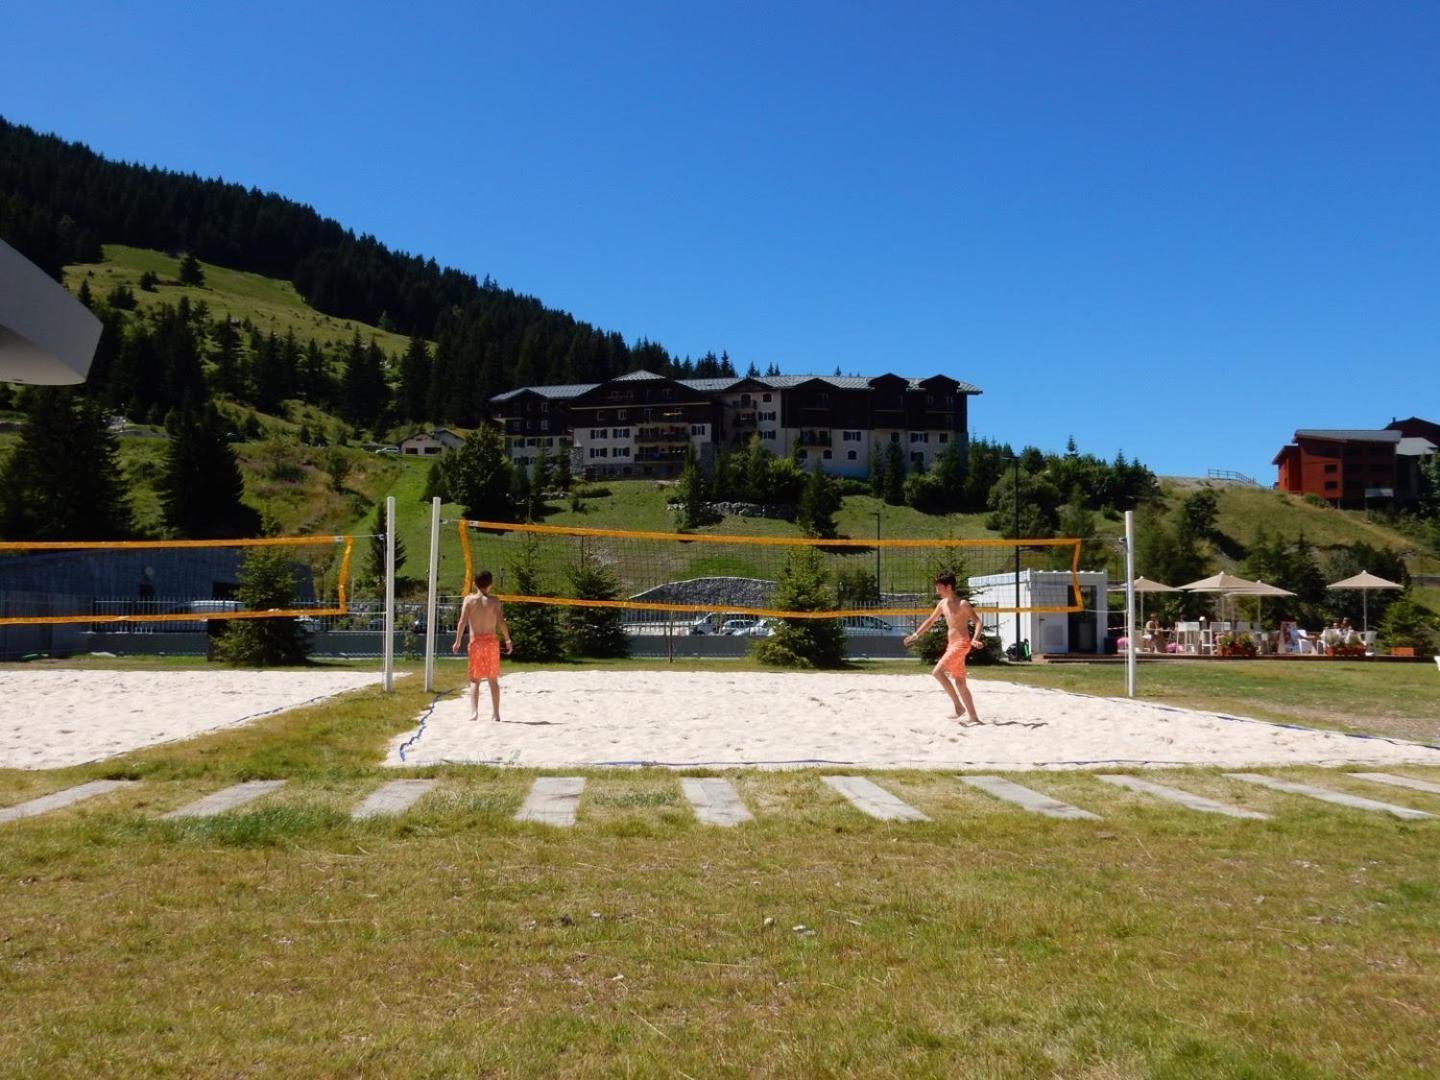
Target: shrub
{"points": [[1315, 500], [267, 581], [803, 585], [1408, 625]]}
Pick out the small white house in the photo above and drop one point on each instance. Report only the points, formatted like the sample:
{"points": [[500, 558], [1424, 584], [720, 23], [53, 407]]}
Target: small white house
{"points": [[1046, 631], [430, 443]]}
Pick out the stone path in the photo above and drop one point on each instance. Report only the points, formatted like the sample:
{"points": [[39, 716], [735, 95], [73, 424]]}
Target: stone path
{"points": [[1339, 798], [1184, 798], [1033, 801], [553, 800], [870, 798], [1400, 781], [394, 798], [56, 799], [715, 801], [229, 798]]}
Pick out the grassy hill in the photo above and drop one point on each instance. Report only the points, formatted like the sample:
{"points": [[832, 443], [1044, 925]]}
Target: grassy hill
{"points": [[270, 304]]}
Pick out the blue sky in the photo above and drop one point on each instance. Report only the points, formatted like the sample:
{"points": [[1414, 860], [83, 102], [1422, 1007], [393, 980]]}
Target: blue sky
{"points": [[1179, 229]]}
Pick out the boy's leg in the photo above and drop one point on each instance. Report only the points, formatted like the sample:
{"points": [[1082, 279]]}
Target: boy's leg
{"points": [[939, 672], [962, 685], [474, 699], [494, 697]]}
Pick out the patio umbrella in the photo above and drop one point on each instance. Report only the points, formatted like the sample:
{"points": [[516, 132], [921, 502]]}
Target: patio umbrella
{"points": [[1227, 584], [1144, 585], [1365, 581], [1260, 590]]}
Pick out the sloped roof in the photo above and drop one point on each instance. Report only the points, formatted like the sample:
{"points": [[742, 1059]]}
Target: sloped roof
{"points": [[1414, 446], [639, 375], [567, 390], [1349, 434]]}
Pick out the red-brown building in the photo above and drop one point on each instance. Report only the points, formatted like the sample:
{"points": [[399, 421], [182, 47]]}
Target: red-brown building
{"points": [[1356, 467]]}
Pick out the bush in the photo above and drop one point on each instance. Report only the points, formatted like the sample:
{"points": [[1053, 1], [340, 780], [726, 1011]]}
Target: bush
{"points": [[596, 632], [534, 628], [803, 585], [267, 581], [591, 491], [1315, 500], [1408, 625]]}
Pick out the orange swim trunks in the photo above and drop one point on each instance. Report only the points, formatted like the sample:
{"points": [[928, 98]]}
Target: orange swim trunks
{"points": [[484, 655], [953, 662]]}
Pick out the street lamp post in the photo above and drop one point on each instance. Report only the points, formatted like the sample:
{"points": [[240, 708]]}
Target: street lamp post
{"points": [[877, 556], [1015, 462]]}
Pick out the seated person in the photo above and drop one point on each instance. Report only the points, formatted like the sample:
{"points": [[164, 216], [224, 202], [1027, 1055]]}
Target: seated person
{"points": [[1330, 637], [1153, 634]]}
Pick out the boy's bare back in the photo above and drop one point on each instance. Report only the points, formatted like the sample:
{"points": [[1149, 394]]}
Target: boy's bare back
{"points": [[481, 613]]}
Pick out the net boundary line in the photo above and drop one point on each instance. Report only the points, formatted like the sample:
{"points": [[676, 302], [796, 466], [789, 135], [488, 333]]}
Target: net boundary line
{"points": [[341, 607], [464, 525]]}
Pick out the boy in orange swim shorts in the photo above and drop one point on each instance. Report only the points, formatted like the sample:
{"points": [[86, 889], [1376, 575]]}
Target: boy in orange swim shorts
{"points": [[958, 615], [483, 616]]}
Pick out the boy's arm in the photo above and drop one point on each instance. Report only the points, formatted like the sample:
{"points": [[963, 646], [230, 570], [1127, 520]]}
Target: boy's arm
{"points": [[926, 624], [503, 627], [968, 614], [460, 625]]}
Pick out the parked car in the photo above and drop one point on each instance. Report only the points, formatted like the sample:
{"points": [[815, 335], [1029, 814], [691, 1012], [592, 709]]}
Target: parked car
{"points": [[764, 628], [196, 607], [869, 626], [388, 450], [738, 627]]}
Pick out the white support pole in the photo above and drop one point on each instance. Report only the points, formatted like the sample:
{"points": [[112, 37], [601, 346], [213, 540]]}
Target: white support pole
{"points": [[432, 597], [1130, 628], [389, 593]]}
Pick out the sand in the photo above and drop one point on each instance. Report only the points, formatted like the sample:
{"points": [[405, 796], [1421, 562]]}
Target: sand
{"points": [[770, 720], [51, 718]]}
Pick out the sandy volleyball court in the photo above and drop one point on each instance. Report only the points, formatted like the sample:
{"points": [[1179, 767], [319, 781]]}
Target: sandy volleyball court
{"points": [[51, 718], [771, 720]]}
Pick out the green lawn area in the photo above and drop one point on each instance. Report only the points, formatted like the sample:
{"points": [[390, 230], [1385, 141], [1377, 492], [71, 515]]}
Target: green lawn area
{"points": [[269, 303], [287, 939]]}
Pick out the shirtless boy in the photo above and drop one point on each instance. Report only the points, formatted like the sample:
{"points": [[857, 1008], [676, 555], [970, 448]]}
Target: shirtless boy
{"points": [[482, 616], [958, 616]]}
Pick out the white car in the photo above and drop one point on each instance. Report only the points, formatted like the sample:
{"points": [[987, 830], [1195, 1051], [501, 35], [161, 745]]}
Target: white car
{"points": [[388, 450], [763, 628], [869, 626], [738, 627]]}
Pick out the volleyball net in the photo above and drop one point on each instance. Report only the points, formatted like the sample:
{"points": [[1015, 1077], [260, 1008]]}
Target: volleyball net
{"points": [[185, 582], [762, 576]]}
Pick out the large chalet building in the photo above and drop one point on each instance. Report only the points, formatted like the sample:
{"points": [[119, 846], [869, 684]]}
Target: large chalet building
{"points": [[1358, 467], [639, 424]]}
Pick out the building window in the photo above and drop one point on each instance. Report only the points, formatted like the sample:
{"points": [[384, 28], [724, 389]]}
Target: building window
{"points": [[850, 455], [766, 399], [894, 436], [601, 416], [850, 436], [1331, 485], [599, 433], [1330, 469], [619, 414], [917, 458], [919, 437], [697, 429], [944, 438], [825, 398], [620, 433], [826, 455], [622, 451], [544, 425], [770, 435]]}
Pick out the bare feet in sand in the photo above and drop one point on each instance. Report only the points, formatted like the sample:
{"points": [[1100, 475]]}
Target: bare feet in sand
{"points": [[474, 716]]}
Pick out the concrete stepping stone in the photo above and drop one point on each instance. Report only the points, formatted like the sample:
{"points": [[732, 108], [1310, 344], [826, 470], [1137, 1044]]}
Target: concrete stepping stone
{"points": [[1033, 801], [715, 801], [1400, 781], [553, 800], [1339, 798], [1184, 798], [872, 799], [56, 799], [393, 798], [218, 802]]}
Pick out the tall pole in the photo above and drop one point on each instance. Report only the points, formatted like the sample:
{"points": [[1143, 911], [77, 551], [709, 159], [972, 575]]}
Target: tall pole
{"points": [[1130, 602], [431, 596], [1019, 649], [389, 593], [878, 598]]}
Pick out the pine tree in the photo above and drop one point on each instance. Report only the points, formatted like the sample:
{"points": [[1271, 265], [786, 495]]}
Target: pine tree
{"points": [[415, 379], [191, 272], [479, 477], [692, 511], [819, 502], [229, 374], [63, 480], [201, 487], [894, 484], [267, 582], [521, 493], [803, 585], [375, 552], [543, 481], [595, 632], [535, 628]]}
